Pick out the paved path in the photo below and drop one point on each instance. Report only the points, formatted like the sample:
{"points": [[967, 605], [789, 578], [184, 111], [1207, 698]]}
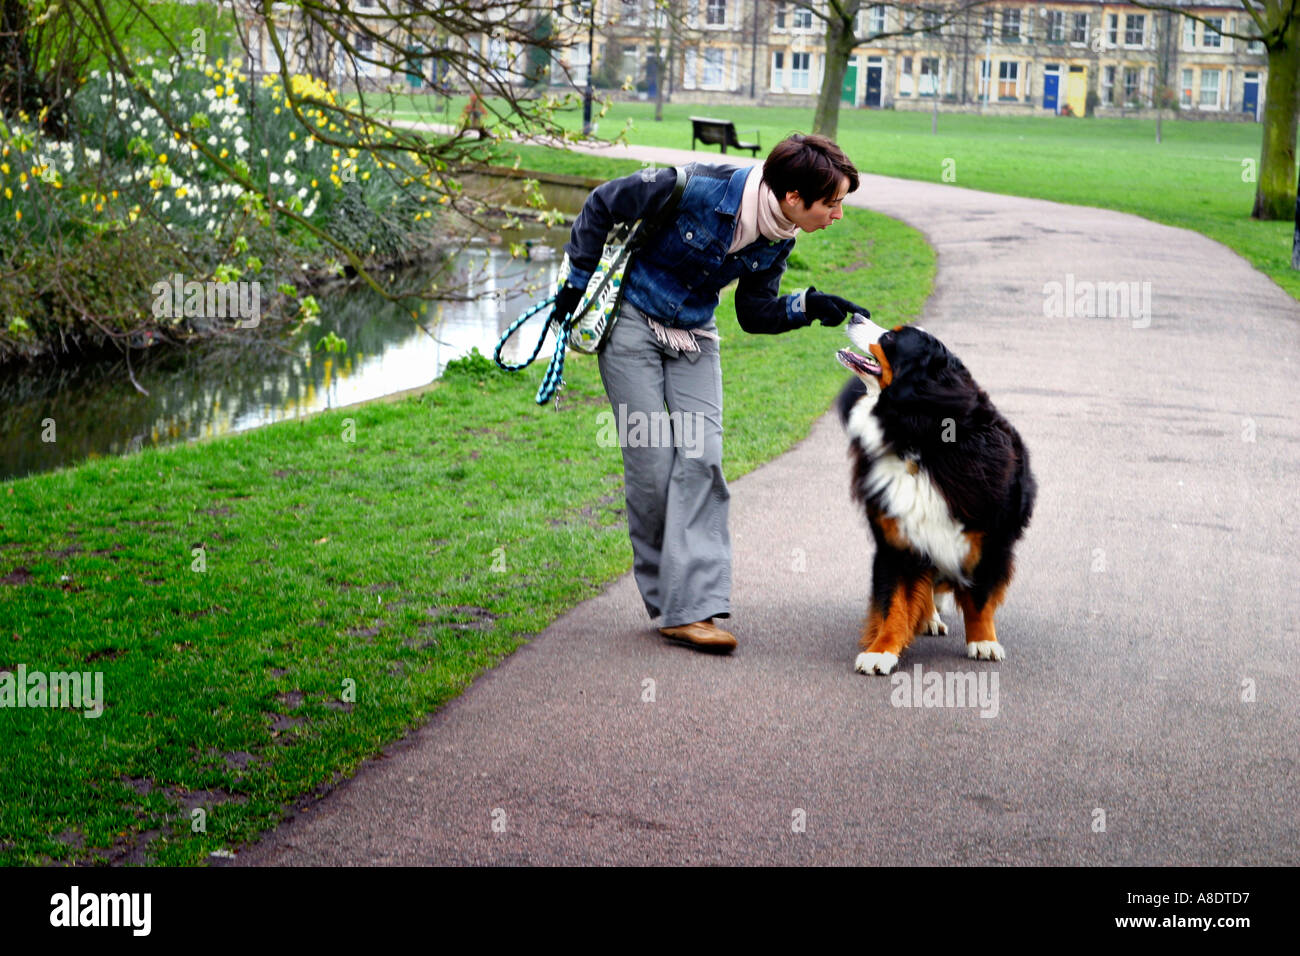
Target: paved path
{"points": [[1157, 579]]}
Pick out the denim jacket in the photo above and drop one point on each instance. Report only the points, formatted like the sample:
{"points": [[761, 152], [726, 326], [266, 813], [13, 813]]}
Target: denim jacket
{"points": [[677, 275]]}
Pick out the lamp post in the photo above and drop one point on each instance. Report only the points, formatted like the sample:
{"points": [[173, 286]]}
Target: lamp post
{"points": [[591, 62]]}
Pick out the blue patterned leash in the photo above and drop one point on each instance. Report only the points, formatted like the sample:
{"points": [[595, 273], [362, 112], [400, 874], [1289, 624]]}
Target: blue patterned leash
{"points": [[554, 375]]}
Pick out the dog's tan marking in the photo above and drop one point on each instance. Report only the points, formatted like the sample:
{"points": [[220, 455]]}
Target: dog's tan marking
{"points": [[979, 621], [975, 544], [893, 533], [886, 370], [910, 605]]}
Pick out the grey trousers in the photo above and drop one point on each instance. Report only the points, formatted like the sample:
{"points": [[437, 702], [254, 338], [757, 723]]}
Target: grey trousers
{"points": [[677, 498]]}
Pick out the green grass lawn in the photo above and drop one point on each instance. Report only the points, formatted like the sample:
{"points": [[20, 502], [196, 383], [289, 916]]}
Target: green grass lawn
{"points": [[348, 587], [1194, 179]]}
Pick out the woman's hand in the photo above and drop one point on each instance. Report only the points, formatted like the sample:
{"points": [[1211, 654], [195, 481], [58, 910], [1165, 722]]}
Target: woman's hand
{"points": [[830, 309], [565, 302]]}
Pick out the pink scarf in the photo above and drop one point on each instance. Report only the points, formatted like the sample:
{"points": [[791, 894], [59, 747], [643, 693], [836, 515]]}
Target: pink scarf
{"points": [[760, 214]]}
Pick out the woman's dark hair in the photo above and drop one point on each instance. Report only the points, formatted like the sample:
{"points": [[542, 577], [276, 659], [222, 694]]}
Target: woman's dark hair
{"points": [[810, 165]]}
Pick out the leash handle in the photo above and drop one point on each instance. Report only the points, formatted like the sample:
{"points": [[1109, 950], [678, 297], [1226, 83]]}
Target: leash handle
{"points": [[554, 375], [514, 327]]}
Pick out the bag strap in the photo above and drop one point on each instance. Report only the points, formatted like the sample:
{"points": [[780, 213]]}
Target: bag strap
{"points": [[652, 224]]}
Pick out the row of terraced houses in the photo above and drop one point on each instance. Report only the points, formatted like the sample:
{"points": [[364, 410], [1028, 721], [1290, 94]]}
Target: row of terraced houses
{"points": [[1014, 56], [1010, 56]]}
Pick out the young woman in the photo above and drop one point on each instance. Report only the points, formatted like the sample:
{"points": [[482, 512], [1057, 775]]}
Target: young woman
{"points": [[731, 224]]}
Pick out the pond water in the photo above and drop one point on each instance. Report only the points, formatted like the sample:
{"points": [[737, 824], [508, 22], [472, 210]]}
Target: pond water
{"points": [[227, 388]]}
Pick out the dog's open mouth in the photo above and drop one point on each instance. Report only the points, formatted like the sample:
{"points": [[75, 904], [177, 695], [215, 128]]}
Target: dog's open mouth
{"points": [[858, 364]]}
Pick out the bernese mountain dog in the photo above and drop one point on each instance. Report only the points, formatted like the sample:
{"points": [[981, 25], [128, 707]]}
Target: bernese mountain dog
{"points": [[945, 483]]}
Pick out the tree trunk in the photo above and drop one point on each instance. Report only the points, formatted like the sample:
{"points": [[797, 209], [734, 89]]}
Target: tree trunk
{"points": [[660, 77], [1275, 187], [1295, 235], [934, 115], [839, 47]]}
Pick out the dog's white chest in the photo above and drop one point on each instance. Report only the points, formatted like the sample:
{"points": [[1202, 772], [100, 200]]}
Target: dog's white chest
{"points": [[910, 497]]}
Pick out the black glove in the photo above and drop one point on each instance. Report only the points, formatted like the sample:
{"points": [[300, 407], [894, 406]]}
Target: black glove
{"points": [[565, 302], [829, 309]]}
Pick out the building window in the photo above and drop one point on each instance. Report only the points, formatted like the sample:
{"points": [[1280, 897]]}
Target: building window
{"points": [[1185, 90], [1134, 30], [1008, 79], [984, 78], [631, 11], [932, 21], [1055, 26], [716, 13], [877, 19], [929, 76], [1252, 45], [1080, 34], [579, 64], [799, 71], [1112, 29], [1189, 34], [366, 50], [1132, 82], [802, 19], [631, 64], [1108, 86], [988, 25], [905, 77], [778, 70], [1011, 26], [1210, 88], [1213, 28], [780, 17], [711, 75]]}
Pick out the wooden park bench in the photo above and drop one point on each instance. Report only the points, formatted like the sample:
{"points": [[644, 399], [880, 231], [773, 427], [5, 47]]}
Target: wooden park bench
{"points": [[718, 132]]}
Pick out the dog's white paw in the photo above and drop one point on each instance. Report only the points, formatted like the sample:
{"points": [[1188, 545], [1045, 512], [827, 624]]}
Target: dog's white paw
{"points": [[874, 663], [934, 626], [985, 651]]}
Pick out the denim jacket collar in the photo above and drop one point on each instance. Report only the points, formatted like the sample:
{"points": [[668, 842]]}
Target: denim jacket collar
{"points": [[730, 204]]}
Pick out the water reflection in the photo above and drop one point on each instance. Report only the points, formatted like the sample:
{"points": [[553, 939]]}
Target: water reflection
{"points": [[228, 388]]}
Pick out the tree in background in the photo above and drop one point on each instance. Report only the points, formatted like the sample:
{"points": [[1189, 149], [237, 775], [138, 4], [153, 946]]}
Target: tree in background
{"points": [[1276, 25], [845, 31]]}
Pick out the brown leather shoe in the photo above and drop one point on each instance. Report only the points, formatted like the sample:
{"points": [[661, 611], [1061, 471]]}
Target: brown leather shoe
{"points": [[704, 635]]}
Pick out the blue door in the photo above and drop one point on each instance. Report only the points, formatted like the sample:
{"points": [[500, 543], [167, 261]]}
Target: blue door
{"points": [[873, 85], [1051, 81], [1250, 94]]}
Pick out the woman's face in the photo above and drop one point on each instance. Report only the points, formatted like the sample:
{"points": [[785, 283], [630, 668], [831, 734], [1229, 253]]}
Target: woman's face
{"points": [[820, 214]]}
